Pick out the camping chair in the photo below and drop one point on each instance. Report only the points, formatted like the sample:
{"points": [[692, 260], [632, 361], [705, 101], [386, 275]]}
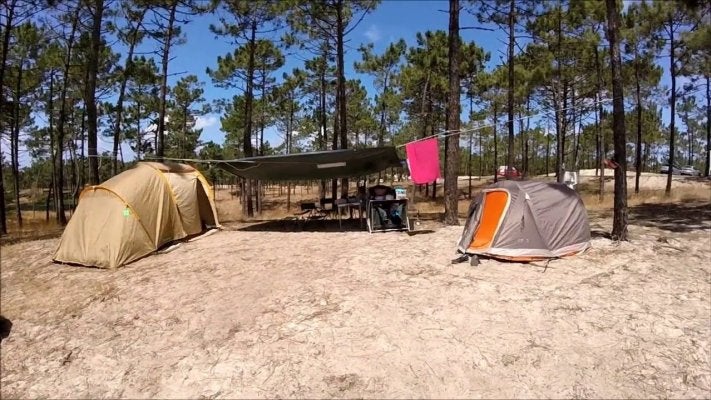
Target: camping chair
{"points": [[326, 207], [308, 210]]}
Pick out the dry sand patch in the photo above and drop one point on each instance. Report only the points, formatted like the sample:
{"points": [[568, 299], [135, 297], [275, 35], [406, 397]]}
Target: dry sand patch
{"points": [[254, 313]]}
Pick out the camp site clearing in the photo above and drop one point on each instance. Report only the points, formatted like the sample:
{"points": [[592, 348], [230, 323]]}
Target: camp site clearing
{"points": [[255, 312]]}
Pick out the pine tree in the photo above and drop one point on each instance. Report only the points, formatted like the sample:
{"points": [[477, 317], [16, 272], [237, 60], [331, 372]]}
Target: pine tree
{"points": [[384, 69], [667, 21], [131, 35], [249, 21], [451, 172], [645, 73], [619, 221]]}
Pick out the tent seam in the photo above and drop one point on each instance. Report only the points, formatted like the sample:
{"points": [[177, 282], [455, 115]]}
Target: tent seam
{"points": [[201, 178], [138, 218], [172, 196]]}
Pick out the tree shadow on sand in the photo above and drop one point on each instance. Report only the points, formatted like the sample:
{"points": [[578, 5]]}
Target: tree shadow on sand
{"points": [[672, 217], [296, 225]]}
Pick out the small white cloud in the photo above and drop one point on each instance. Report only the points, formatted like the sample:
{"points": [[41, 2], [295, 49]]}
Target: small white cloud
{"points": [[372, 33], [205, 121]]}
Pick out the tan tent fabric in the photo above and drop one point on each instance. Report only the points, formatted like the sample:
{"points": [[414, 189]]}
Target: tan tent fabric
{"points": [[135, 213], [526, 221]]}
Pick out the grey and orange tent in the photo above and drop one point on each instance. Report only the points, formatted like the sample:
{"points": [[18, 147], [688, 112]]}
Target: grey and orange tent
{"points": [[135, 213], [525, 221]]}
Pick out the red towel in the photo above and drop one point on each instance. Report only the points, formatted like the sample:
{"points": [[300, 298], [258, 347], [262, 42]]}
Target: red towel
{"points": [[423, 160]]}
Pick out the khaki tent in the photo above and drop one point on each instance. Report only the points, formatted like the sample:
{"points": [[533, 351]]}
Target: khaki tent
{"points": [[135, 213], [526, 221]]}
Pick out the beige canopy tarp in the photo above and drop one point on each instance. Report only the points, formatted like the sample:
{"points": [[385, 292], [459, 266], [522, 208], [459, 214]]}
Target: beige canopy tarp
{"points": [[135, 213]]}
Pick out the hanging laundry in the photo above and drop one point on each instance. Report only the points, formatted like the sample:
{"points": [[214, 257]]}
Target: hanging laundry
{"points": [[423, 160]]}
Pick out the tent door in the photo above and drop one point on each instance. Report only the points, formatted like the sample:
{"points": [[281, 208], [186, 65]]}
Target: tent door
{"points": [[492, 212]]}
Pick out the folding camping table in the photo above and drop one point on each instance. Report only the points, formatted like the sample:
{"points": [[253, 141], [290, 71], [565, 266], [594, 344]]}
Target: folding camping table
{"points": [[350, 206]]}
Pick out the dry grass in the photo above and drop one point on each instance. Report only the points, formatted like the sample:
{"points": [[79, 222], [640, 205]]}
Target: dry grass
{"points": [[34, 226], [684, 195], [425, 208]]}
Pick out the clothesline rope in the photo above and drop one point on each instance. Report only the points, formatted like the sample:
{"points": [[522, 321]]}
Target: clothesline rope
{"points": [[446, 133], [441, 134]]}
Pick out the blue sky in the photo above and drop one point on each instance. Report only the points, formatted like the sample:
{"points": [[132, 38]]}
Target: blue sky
{"points": [[392, 20]]}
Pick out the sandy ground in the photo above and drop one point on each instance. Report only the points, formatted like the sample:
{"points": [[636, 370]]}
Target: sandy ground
{"points": [[257, 311]]}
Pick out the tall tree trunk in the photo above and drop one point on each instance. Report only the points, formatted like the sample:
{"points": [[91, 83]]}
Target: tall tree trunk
{"points": [[522, 144], [559, 119], [690, 135], [323, 117], [90, 92], [139, 134], [531, 163], [510, 94], [645, 161], [182, 150], [49, 199], [469, 164], [576, 154], [5, 48], [61, 124], [425, 113], [548, 152], [525, 137], [334, 146], [598, 127], [122, 91], [708, 127], [74, 187], [90, 89], [573, 116], [247, 207], [261, 136], [341, 86], [289, 129], [496, 146], [560, 145], [619, 221], [15, 144], [672, 101], [432, 133], [381, 135], [481, 154], [3, 217], [160, 135], [52, 147], [597, 144], [638, 144]]}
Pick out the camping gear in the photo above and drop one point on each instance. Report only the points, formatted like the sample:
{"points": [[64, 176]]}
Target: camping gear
{"points": [[400, 193], [525, 221], [423, 160], [135, 213], [314, 165], [384, 212]]}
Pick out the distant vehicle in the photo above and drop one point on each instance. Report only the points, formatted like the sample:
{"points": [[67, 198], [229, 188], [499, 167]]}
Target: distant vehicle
{"points": [[690, 170], [665, 170], [504, 173]]}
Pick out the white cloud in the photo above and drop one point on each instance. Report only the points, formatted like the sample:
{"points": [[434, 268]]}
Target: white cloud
{"points": [[205, 121], [372, 33]]}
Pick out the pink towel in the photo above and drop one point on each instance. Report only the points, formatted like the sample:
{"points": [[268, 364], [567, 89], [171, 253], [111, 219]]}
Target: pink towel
{"points": [[423, 160]]}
